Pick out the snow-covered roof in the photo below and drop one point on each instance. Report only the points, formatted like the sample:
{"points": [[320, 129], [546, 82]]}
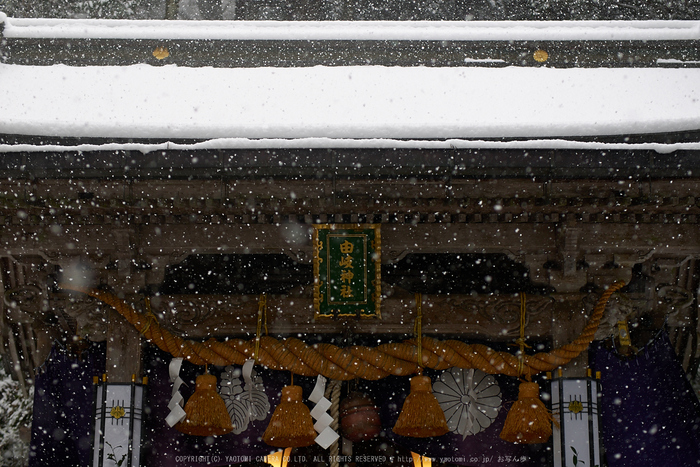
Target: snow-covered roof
{"points": [[172, 102], [348, 106]]}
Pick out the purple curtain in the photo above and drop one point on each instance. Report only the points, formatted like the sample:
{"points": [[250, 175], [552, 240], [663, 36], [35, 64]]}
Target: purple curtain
{"points": [[650, 413], [63, 405]]}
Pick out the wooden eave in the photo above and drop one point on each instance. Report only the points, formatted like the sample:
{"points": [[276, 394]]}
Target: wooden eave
{"points": [[328, 163], [331, 43], [305, 53]]}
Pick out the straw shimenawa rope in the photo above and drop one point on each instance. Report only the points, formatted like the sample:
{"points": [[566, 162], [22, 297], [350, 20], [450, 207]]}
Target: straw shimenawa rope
{"points": [[348, 363]]}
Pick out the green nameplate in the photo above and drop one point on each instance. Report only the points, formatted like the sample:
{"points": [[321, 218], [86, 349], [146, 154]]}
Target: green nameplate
{"points": [[347, 270]]}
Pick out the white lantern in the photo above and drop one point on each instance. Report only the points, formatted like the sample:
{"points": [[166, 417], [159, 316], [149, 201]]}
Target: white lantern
{"points": [[576, 441], [118, 418]]}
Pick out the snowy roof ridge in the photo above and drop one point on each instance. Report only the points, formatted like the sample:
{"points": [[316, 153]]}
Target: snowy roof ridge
{"points": [[344, 143], [655, 30]]}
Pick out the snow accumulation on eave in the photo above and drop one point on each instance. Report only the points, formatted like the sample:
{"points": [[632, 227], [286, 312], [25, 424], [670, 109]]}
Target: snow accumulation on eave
{"points": [[170, 103], [327, 143], [351, 30]]}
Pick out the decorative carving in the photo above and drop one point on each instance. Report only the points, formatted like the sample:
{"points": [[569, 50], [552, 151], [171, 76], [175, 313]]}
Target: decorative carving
{"points": [[500, 316], [91, 317], [674, 302], [182, 313], [671, 303], [674, 298], [188, 313], [505, 313], [25, 304], [620, 308]]}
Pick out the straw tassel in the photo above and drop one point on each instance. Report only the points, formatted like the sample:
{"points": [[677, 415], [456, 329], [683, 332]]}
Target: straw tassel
{"points": [[528, 421], [291, 424], [421, 415], [206, 410]]}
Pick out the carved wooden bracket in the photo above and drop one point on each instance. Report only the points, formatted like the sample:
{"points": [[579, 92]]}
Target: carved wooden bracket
{"points": [[90, 315], [25, 303]]}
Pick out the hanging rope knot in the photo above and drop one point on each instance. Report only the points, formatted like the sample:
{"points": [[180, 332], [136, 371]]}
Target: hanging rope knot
{"points": [[417, 330], [520, 342], [262, 318], [150, 316]]}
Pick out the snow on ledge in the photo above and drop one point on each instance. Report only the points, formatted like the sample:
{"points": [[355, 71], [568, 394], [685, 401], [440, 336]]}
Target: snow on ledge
{"points": [[346, 103], [349, 30], [329, 143]]}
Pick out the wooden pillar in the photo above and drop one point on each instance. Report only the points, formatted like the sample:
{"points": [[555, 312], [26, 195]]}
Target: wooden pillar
{"points": [[124, 351], [567, 324]]}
